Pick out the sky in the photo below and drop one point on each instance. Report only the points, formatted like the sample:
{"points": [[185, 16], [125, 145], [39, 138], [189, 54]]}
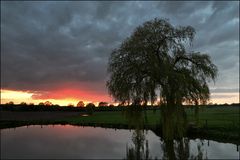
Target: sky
{"points": [[59, 51]]}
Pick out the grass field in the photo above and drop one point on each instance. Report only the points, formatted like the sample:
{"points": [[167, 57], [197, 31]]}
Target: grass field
{"points": [[221, 122], [219, 117], [211, 117]]}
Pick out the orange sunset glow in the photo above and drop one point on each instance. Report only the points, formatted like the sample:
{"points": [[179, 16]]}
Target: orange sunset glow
{"points": [[65, 97], [62, 97]]}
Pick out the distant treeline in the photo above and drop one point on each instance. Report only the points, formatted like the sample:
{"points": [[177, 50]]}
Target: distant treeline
{"points": [[20, 107]]}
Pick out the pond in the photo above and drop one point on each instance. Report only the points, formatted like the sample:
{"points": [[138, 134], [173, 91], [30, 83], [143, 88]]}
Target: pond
{"points": [[76, 142]]}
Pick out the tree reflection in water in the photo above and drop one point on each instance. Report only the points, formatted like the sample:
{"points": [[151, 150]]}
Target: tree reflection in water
{"points": [[136, 119], [174, 127], [173, 123], [173, 130], [180, 149], [140, 149]]}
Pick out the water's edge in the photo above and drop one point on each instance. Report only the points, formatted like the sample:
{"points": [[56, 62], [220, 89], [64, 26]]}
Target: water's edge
{"points": [[192, 133]]}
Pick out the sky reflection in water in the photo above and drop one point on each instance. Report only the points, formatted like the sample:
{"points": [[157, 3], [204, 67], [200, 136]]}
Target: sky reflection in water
{"points": [[66, 141]]}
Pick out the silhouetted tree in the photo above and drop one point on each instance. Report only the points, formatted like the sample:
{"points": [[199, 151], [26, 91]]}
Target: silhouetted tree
{"points": [[48, 103], [80, 104], [31, 104], [10, 103], [41, 104], [154, 58], [102, 104], [111, 105], [90, 108], [23, 103], [70, 105]]}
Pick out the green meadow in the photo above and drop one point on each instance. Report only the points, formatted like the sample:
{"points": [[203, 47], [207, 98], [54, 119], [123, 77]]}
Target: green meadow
{"points": [[221, 122], [219, 117]]}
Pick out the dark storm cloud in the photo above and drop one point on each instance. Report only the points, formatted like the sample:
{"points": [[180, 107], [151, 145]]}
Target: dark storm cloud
{"points": [[45, 44]]}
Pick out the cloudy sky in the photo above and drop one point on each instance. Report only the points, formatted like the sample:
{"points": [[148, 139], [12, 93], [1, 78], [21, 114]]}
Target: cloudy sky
{"points": [[60, 50]]}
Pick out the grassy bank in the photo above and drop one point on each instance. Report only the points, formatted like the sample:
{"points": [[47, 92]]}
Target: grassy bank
{"points": [[215, 122]]}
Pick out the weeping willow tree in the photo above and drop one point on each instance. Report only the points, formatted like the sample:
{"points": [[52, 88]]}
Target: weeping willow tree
{"points": [[155, 59]]}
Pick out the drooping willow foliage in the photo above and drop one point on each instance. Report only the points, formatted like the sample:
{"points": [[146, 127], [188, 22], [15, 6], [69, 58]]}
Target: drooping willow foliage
{"points": [[155, 59]]}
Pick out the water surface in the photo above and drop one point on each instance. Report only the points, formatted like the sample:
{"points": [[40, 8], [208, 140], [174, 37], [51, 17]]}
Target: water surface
{"points": [[66, 141]]}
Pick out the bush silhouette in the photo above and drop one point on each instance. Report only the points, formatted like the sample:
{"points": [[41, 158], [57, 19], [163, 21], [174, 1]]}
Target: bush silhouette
{"points": [[90, 108]]}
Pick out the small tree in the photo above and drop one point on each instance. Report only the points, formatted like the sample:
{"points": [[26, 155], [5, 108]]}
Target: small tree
{"points": [[102, 104], [70, 105], [10, 103], [90, 108], [31, 104], [111, 105], [48, 103], [23, 103], [80, 104], [41, 104]]}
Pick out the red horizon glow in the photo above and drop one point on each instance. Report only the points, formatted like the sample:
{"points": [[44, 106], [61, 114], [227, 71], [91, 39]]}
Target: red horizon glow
{"points": [[59, 96], [66, 96], [71, 94]]}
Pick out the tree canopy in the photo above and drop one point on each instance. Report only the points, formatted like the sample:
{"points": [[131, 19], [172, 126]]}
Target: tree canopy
{"points": [[155, 59], [80, 104]]}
